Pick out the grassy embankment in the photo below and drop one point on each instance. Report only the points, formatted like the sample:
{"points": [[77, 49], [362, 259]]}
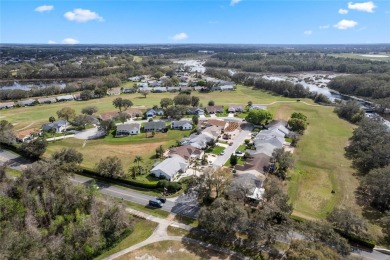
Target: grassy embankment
{"points": [[320, 163]]}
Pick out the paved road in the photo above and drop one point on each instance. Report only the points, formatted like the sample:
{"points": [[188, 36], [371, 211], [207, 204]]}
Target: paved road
{"points": [[180, 206], [13, 160], [183, 205], [244, 134]]}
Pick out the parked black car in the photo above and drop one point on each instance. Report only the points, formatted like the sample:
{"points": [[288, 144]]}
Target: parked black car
{"points": [[163, 200]]}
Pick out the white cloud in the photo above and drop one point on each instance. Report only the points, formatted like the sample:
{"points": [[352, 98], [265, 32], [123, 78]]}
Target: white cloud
{"points": [[343, 11], [234, 2], [324, 27], [69, 41], [44, 8], [180, 36], [308, 32], [51, 42], [345, 24], [364, 7], [82, 15]]}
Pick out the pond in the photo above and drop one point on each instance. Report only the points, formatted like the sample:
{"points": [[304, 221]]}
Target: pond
{"points": [[29, 85]]}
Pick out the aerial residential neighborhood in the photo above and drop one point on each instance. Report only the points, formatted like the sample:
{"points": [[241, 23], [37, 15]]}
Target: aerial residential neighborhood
{"points": [[227, 129]]}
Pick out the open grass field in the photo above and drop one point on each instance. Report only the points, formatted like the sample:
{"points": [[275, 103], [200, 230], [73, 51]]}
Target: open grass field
{"points": [[35, 116], [174, 250], [126, 148], [142, 230], [320, 163], [359, 56]]}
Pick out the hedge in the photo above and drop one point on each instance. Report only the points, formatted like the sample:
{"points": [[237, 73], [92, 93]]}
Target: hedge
{"points": [[90, 173], [353, 239]]}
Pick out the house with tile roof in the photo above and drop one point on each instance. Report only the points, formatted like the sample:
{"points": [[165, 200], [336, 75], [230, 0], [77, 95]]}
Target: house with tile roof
{"points": [[27, 135], [188, 152]]}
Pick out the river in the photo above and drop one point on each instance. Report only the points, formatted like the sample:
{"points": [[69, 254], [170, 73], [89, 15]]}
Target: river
{"points": [[315, 82]]}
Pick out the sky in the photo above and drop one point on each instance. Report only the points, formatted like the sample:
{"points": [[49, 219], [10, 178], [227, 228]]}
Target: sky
{"points": [[194, 21]]}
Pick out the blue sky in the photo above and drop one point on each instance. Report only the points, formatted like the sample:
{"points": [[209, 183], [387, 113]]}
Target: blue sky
{"points": [[190, 21]]}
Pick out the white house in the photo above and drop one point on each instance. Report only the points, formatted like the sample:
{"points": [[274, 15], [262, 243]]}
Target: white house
{"points": [[260, 107], [129, 90], [28, 102], [143, 85], [59, 126], [181, 125], [65, 98], [159, 89], [156, 126], [170, 167], [128, 129], [154, 112], [47, 100], [7, 105]]}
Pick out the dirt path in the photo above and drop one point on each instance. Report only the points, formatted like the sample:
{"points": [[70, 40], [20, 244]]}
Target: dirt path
{"points": [[26, 127]]}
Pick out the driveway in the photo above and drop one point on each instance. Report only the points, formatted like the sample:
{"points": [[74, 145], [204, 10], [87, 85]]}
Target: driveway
{"points": [[244, 134], [89, 134]]}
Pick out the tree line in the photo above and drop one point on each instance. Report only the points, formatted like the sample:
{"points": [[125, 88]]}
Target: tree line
{"points": [[369, 150], [287, 62], [43, 215], [283, 88]]}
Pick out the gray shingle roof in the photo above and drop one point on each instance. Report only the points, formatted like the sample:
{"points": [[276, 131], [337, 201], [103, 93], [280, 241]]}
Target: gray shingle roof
{"points": [[155, 125], [171, 166], [128, 127]]}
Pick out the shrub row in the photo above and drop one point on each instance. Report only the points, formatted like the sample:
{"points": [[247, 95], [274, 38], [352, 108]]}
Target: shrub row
{"points": [[90, 173], [363, 242], [352, 239]]}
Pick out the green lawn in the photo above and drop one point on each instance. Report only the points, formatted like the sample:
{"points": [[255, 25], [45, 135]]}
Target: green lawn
{"points": [[240, 161], [12, 173], [174, 231], [126, 148], [320, 163], [216, 150], [142, 230], [242, 148]]}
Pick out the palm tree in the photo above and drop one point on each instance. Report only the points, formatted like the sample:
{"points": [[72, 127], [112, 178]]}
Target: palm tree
{"points": [[133, 171], [138, 160], [196, 164]]}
